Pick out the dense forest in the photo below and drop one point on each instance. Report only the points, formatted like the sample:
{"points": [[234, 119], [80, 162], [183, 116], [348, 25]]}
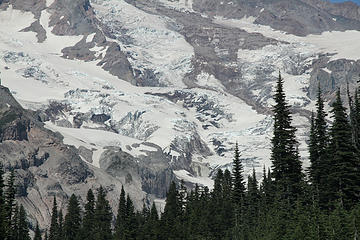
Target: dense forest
{"points": [[288, 203]]}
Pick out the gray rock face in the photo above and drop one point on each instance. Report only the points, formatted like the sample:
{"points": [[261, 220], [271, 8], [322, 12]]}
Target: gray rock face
{"points": [[296, 17], [78, 13], [116, 63], [333, 74], [45, 167]]}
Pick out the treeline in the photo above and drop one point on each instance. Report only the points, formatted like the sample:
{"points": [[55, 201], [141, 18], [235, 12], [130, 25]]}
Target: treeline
{"points": [[286, 204]]}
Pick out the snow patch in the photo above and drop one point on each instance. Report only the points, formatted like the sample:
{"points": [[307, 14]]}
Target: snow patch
{"points": [[187, 177], [49, 2], [90, 37], [207, 80], [179, 5]]}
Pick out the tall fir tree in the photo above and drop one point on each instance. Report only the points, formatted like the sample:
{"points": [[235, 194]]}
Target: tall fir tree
{"points": [[319, 141], [22, 225], [13, 234], [88, 226], [172, 211], [287, 170], [154, 222], [10, 205], [238, 178], [72, 219], [313, 152], [54, 225], [130, 221], [344, 173], [61, 233], [2, 205], [103, 217], [121, 217], [356, 119]]}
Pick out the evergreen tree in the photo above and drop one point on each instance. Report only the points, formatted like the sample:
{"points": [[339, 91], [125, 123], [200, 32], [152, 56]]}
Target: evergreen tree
{"points": [[253, 196], [9, 206], [61, 233], [318, 149], [121, 216], [313, 152], [130, 220], [13, 234], [54, 222], [103, 217], [171, 212], [356, 120], [153, 222], [2, 205], [88, 226], [238, 179], [72, 219], [344, 174], [22, 225], [284, 155], [37, 233]]}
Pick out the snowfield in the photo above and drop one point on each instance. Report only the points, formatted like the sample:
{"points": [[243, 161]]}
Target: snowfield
{"points": [[37, 75], [148, 40]]}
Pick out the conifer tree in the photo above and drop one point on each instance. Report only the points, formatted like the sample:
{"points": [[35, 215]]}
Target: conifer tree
{"points": [[344, 174], [61, 234], [37, 233], [171, 213], [121, 216], [253, 194], [103, 217], [54, 222], [22, 225], [318, 149], [9, 206], [130, 222], [72, 219], [2, 205], [87, 231], [313, 152], [284, 155], [153, 222], [14, 231], [252, 204], [238, 179], [356, 120]]}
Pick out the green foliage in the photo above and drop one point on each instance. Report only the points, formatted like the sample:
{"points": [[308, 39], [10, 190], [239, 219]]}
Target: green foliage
{"points": [[284, 154], [72, 219], [54, 224], [87, 229], [121, 217], [238, 179], [22, 228], [103, 217], [343, 179]]}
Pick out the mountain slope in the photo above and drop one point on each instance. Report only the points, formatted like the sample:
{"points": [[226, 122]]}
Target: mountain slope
{"points": [[150, 91]]}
